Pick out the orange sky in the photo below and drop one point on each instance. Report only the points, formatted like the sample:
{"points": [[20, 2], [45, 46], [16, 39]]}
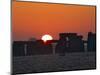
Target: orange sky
{"points": [[36, 19]]}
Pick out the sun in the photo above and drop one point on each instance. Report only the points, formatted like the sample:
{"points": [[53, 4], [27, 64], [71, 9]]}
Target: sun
{"points": [[46, 37]]}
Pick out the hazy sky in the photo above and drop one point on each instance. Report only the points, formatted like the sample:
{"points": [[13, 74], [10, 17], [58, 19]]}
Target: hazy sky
{"points": [[36, 19]]}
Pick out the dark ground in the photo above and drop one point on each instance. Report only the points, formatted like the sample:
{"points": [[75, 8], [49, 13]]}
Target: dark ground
{"points": [[52, 63]]}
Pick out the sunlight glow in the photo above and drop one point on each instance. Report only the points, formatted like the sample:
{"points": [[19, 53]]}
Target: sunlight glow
{"points": [[46, 37]]}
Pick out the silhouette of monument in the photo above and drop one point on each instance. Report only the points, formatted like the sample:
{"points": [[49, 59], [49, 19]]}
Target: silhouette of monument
{"points": [[91, 42], [21, 48], [61, 45], [18, 48], [38, 47], [75, 43], [70, 42]]}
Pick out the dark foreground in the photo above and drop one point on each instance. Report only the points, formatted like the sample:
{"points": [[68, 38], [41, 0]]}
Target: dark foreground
{"points": [[52, 63]]}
